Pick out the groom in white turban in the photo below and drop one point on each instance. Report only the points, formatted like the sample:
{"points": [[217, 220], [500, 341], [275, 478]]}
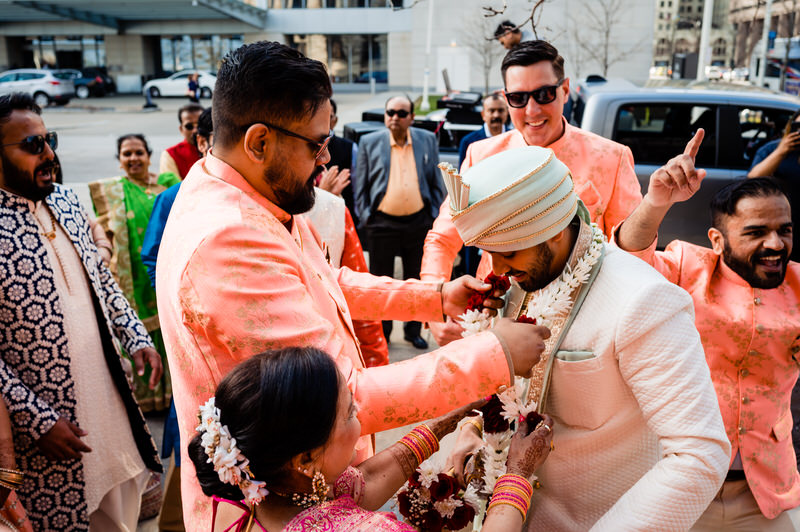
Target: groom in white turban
{"points": [[640, 439]]}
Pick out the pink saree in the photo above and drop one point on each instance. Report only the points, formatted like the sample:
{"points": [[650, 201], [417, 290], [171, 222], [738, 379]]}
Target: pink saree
{"points": [[340, 514]]}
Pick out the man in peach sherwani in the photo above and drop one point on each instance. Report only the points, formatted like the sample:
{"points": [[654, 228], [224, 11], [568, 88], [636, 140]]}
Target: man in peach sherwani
{"points": [[602, 170], [746, 294], [239, 274]]}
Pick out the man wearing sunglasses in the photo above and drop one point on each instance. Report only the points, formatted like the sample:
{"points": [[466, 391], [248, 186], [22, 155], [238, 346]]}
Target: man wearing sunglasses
{"points": [[536, 90], [79, 435], [179, 158], [240, 272], [398, 191]]}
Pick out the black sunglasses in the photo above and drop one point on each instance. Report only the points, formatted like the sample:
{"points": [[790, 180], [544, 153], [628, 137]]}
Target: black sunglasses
{"points": [[315, 144], [402, 113], [189, 126], [542, 95], [35, 143]]}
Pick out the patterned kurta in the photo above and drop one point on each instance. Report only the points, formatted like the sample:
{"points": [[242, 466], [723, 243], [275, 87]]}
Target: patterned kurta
{"points": [[752, 340], [601, 169], [35, 370], [233, 281]]}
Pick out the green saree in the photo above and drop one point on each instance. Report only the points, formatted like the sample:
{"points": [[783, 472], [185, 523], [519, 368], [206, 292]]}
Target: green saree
{"points": [[123, 208]]}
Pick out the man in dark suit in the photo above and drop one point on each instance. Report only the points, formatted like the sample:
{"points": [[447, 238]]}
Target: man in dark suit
{"points": [[495, 116], [398, 189]]}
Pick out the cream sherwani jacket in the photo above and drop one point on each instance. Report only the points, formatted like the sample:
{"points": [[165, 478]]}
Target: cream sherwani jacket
{"points": [[640, 443], [233, 281]]}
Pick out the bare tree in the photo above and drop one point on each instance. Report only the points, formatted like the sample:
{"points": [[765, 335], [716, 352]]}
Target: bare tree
{"points": [[534, 18], [478, 36], [600, 25]]}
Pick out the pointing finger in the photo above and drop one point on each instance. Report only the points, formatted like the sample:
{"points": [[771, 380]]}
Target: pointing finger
{"points": [[694, 145]]}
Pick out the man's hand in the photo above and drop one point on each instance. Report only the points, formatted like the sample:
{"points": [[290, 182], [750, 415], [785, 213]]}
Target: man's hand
{"points": [[524, 341], [456, 294], [153, 359], [677, 180], [788, 144], [446, 332], [334, 181], [63, 441]]}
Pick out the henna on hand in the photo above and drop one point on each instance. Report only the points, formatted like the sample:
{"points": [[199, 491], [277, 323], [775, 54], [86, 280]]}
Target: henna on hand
{"points": [[444, 425], [527, 453], [406, 459]]}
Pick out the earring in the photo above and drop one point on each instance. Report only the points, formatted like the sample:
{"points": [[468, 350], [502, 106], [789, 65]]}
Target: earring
{"points": [[319, 492]]}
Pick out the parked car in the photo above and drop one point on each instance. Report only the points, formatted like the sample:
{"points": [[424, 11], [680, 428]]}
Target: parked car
{"points": [[657, 122], [177, 83], [91, 82], [46, 86]]}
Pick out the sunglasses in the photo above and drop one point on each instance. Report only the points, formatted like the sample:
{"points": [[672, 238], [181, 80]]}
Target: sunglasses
{"points": [[542, 95], [401, 113], [35, 143], [189, 126], [320, 147]]}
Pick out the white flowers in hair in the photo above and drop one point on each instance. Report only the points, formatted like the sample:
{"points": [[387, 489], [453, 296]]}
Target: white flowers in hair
{"points": [[229, 462]]}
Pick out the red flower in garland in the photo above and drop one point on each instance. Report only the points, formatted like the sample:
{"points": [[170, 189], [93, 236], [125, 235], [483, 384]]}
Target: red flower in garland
{"points": [[432, 521], [526, 319], [493, 420], [500, 282], [443, 487], [533, 419], [462, 516]]}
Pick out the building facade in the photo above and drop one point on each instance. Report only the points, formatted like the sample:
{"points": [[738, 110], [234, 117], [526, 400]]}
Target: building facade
{"points": [[747, 19], [361, 41], [677, 27]]}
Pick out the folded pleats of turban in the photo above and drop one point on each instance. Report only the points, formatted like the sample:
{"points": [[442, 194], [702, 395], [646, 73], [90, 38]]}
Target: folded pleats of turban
{"points": [[513, 200]]}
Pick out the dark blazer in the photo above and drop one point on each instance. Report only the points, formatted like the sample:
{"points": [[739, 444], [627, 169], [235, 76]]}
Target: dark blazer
{"points": [[475, 136], [374, 162]]}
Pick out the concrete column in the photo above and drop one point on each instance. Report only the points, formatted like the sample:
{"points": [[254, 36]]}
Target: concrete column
{"points": [[11, 52], [126, 61]]}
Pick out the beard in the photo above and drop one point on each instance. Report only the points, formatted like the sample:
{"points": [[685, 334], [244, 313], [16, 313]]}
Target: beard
{"points": [[537, 273], [746, 267], [292, 197], [23, 183]]}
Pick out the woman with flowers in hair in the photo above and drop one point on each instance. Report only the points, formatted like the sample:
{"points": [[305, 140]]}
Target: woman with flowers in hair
{"points": [[274, 448]]}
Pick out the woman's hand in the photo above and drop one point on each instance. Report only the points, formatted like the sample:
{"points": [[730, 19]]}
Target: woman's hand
{"points": [[788, 144], [467, 444], [529, 452], [444, 425]]}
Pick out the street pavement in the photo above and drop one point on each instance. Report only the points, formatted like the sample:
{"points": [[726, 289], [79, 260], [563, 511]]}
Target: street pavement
{"points": [[87, 133]]}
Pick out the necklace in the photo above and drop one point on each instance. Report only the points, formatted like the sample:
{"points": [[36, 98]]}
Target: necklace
{"points": [[51, 236]]}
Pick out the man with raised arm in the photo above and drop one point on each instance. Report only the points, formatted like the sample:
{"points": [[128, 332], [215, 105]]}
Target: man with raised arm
{"points": [[746, 295], [536, 90]]}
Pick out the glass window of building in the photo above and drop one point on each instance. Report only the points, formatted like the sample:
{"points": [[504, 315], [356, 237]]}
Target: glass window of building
{"points": [[349, 58]]}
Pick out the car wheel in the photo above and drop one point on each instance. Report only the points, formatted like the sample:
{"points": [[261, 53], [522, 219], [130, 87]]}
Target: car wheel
{"points": [[41, 99], [205, 92], [82, 91], [154, 92]]}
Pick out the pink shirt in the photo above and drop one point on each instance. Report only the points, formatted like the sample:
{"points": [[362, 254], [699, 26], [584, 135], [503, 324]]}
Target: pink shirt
{"points": [[232, 281], [602, 171], [751, 339]]}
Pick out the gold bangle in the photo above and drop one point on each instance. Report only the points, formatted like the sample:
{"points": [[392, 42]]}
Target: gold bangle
{"points": [[473, 421]]}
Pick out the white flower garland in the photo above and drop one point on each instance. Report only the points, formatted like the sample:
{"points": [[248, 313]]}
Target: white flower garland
{"points": [[229, 462], [553, 300], [545, 305]]}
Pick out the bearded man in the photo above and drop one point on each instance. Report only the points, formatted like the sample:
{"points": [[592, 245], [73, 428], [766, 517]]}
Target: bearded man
{"points": [[239, 272], [640, 443], [79, 435], [746, 294]]}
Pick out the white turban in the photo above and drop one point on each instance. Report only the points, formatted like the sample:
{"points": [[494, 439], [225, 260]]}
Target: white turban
{"points": [[513, 200]]}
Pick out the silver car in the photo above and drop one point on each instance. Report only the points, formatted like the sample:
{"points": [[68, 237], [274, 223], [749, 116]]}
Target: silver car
{"points": [[46, 86], [657, 122]]}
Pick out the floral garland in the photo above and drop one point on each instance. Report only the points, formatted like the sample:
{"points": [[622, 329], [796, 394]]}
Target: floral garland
{"points": [[433, 501], [503, 410], [229, 462]]}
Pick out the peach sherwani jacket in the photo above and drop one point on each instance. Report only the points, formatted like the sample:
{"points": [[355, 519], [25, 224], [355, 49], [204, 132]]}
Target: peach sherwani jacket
{"points": [[752, 344], [601, 169], [233, 281]]}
